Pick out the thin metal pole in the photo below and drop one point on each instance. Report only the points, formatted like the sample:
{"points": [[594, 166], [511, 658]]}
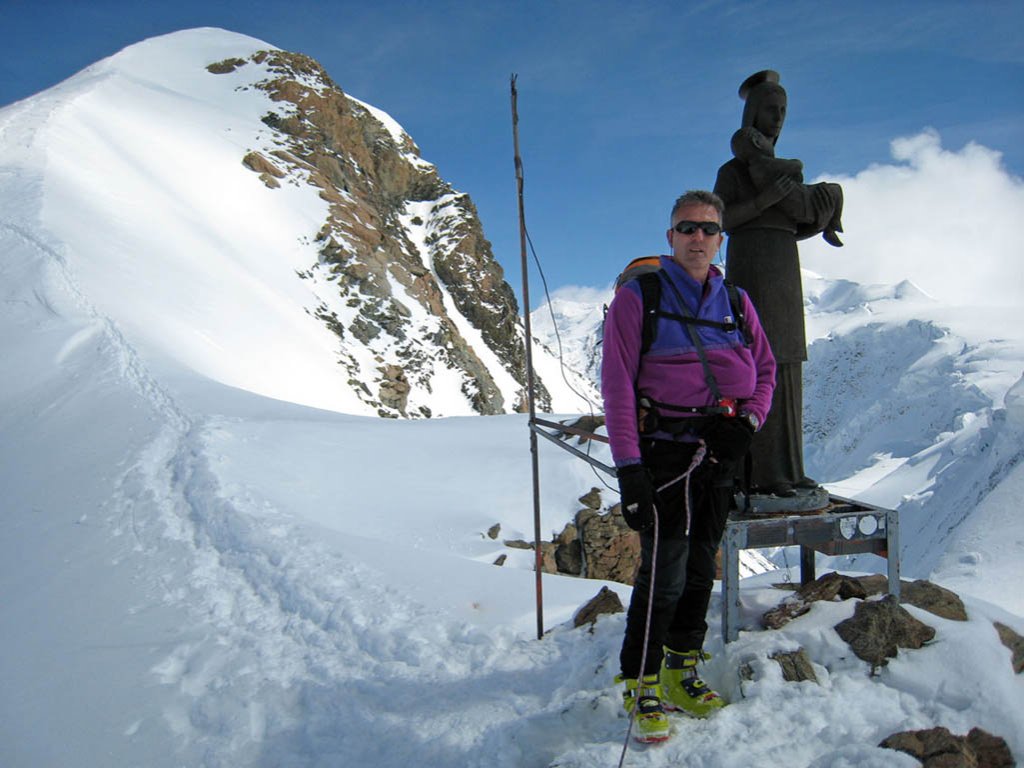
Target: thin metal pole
{"points": [[538, 554]]}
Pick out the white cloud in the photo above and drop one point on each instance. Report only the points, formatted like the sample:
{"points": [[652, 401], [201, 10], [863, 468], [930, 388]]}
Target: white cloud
{"points": [[582, 294], [946, 220]]}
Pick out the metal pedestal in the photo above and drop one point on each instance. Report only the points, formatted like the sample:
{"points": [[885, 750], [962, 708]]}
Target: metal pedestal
{"points": [[845, 527]]}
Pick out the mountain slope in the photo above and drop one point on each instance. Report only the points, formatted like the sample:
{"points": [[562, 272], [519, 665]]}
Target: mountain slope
{"points": [[235, 213]]}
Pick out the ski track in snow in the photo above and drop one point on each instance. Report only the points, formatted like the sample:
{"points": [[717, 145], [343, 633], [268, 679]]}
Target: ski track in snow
{"points": [[320, 660]]}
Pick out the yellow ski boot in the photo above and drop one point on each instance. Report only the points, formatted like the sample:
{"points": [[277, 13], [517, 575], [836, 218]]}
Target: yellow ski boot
{"points": [[684, 689], [645, 696]]}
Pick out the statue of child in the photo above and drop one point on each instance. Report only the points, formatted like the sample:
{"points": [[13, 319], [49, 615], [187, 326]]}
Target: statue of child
{"points": [[758, 152]]}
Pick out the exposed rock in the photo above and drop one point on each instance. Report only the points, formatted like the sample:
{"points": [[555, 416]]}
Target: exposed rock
{"points": [[494, 531], [927, 745], [500, 559], [569, 552], [991, 751], [591, 500], [598, 545], [828, 587], [879, 627], [934, 599], [547, 551], [588, 424], [938, 748], [611, 550], [394, 388], [604, 602], [223, 67], [796, 665], [254, 161], [375, 258], [921, 593], [1015, 643]]}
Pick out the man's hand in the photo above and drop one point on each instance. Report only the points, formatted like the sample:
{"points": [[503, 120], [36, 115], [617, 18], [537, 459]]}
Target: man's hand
{"points": [[637, 489], [728, 439]]}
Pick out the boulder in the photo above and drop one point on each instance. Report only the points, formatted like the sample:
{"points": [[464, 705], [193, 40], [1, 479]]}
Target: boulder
{"points": [[604, 602], [610, 549], [591, 499], [828, 587], [796, 665], [934, 599], [921, 593], [879, 628], [938, 748], [569, 552], [1015, 643]]}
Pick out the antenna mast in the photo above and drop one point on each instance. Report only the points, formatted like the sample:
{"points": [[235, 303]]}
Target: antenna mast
{"points": [[538, 554]]}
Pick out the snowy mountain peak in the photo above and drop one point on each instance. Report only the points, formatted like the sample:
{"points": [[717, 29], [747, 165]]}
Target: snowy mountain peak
{"points": [[231, 210]]}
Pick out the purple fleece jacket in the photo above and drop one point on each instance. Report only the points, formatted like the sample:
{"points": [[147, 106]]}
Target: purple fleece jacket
{"points": [[671, 371]]}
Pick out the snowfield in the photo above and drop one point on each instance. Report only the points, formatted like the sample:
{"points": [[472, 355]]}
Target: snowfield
{"points": [[210, 558]]}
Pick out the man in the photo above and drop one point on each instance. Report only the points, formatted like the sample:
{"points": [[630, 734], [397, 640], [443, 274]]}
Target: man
{"points": [[701, 382]]}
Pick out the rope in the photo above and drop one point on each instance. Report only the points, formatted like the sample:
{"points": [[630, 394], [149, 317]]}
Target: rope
{"points": [[698, 457]]}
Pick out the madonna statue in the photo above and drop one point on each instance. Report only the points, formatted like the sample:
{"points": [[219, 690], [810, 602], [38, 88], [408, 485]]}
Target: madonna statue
{"points": [[767, 209]]}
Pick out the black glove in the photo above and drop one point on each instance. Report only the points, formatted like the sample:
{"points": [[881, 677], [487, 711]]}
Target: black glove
{"points": [[728, 439], [637, 489]]}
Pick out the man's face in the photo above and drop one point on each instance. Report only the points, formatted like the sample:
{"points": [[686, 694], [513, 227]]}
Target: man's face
{"points": [[694, 252]]}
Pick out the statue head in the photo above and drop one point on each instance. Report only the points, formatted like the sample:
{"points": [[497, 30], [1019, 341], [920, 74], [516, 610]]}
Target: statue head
{"points": [[765, 107]]}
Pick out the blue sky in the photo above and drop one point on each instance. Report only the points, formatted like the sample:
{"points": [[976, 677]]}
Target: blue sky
{"points": [[622, 105]]}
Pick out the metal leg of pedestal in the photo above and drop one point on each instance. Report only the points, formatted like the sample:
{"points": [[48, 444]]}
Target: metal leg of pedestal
{"points": [[807, 566], [892, 555], [732, 543]]}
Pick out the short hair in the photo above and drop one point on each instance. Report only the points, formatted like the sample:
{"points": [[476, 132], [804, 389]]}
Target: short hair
{"points": [[698, 197]]}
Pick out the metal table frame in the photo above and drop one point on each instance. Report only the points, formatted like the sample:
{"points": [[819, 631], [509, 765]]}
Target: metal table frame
{"points": [[848, 527]]}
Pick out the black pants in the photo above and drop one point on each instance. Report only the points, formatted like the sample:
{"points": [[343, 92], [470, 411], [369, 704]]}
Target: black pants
{"points": [[685, 570]]}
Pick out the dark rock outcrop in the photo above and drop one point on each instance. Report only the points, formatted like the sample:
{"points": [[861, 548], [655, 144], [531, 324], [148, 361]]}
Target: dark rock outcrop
{"points": [[878, 628], [835, 586], [604, 602], [611, 550], [395, 235], [828, 587], [938, 748], [597, 544], [921, 594], [1015, 643], [796, 665]]}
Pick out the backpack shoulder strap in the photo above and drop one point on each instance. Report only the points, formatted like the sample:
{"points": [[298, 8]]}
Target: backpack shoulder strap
{"points": [[650, 291], [736, 303]]}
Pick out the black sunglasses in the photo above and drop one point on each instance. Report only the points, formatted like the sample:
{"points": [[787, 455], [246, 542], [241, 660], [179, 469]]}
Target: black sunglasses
{"points": [[710, 228]]}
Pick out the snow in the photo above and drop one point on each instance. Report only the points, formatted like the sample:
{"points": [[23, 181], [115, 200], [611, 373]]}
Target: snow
{"points": [[211, 557]]}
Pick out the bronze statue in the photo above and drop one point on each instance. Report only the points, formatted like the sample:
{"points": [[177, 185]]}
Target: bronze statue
{"points": [[769, 208]]}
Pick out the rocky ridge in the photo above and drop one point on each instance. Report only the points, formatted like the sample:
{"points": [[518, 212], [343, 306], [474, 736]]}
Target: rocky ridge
{"points": [[405, 277]]}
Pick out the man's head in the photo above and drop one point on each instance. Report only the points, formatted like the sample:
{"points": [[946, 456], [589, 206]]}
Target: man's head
{"points": [[695, 231]]}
